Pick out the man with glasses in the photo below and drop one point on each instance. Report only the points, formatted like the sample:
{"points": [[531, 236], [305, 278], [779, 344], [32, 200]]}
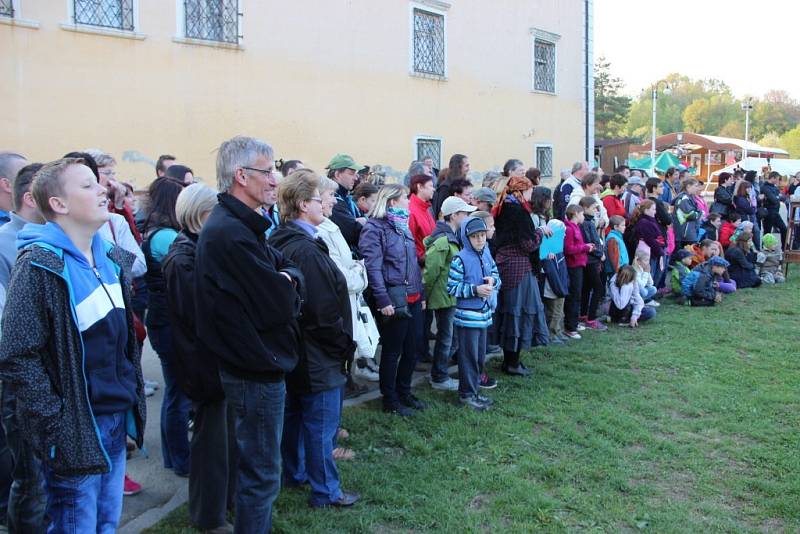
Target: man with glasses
{"points": [[248, 304]]}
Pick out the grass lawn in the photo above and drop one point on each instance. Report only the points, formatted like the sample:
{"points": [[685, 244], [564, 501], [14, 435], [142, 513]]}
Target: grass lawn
{"points": [[687, 424]]}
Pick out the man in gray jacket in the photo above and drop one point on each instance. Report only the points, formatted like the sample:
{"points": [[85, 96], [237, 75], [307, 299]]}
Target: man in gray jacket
{"points": [[25, 211]]}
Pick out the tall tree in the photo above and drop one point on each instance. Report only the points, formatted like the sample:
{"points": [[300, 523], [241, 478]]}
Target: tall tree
{"points": [[610, 106], [791, 141], [776, 112], [710, 114]]}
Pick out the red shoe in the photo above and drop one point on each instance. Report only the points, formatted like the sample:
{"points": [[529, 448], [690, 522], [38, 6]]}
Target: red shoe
{"points": [[131, 487]]}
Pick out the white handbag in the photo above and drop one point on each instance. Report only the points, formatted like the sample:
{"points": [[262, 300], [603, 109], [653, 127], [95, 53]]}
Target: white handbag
{"points": [[366, 333]]}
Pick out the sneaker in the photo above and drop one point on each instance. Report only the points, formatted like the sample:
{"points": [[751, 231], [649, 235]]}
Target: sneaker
{"points": [[653, 303], [366, 373], [484, 400], [449, 384], [149, 391], [596, 325], [372, 365], [572, 335], [583, 318], [580, 327], [399, 409], [556, 340], [412, 402], [131, 487], [152, 383], [473, 403], [494, 350], [487, 382]]}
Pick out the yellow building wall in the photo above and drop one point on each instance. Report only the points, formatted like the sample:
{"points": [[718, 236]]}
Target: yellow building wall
{"points": [[313, 77]]}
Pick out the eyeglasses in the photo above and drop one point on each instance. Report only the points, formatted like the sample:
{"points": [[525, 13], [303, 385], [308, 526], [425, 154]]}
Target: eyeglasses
{"points": [[107, 172], [315, 199], [265, 172]]}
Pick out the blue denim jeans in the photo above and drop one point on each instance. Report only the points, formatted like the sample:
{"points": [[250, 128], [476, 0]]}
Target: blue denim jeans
{"points": [[90, 503], [310, 425], [471, 355], [26, 500], [398, 344], [647, 292], [444, 344], [258, 409], [175, 406]]}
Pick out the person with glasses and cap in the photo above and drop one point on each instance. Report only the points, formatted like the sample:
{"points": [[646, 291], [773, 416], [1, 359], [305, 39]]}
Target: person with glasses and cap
{"points": [[343, 170], [484, 199]]}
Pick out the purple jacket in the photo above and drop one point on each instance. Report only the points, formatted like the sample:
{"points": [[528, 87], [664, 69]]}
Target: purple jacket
{"points": [[648, 230], [391, 260]]}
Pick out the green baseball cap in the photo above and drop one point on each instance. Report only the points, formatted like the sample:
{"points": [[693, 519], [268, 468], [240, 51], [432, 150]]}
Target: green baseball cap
{"points": [[343, 161]]}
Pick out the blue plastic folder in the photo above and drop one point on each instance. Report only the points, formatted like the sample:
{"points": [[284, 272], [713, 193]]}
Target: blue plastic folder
{"points": [[553, 244]]}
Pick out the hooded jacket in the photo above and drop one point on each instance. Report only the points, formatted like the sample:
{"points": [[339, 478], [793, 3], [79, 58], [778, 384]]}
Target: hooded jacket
{"points": [[575, 250], [420, 222], [685, 218], [648, 230], [69, 348], [247, 310], [197, 369], [441, 246], [326, 322], [561, 196]]}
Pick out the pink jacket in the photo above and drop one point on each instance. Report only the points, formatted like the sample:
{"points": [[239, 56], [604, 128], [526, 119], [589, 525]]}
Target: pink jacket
{"points": [[575, 250]]}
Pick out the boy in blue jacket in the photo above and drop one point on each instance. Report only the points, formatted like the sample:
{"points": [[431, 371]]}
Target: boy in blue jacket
{"points": [[69, 349], [474, 280]]}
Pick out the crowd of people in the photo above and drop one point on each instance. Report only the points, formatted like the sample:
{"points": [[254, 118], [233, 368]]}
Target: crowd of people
{"points": [[272, 298]]}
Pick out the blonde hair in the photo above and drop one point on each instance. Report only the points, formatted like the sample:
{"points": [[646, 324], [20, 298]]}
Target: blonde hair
{"points": [[192, 204], [101, 158], [385, 194], [326, 184], [298, 186], [641, 254], [47, 183]]}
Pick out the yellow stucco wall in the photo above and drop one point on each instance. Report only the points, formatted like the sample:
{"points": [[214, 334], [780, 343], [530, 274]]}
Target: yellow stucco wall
{"points": [[314, 77]]}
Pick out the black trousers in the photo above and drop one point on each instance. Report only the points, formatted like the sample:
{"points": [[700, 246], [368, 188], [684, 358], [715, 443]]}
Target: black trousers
{"points": [[772, 222], [572, 303], [594, 289], [212, 475]]}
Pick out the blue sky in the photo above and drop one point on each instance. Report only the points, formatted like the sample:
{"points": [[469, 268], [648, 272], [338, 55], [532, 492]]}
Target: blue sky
{"points": [[752, 46]]}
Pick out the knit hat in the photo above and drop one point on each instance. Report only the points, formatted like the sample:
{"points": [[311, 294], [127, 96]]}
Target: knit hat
{"points": [[474, 225], [682, 254], [485, 194], [769, 241], [718, 261]]}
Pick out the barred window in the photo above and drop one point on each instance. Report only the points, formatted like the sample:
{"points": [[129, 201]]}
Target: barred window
{"points": [[116, 14], [212, 20], [430, 148], [429, 43], [544, 160], [7, 8], [544, 66]]}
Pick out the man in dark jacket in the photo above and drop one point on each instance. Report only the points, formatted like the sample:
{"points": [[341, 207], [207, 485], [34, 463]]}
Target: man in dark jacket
{"points": [[342, 169], [772, 202], [314, 388], [69, 349], [247, 309]]}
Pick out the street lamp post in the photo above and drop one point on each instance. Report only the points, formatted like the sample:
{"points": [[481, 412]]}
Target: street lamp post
{"points": [[653, 138], [747, 106]]}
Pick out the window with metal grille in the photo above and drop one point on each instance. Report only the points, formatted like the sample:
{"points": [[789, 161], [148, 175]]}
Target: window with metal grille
{"points": [[430, 148], [544, 66], [212, 20], [116, 14], [544, 160], [429, 45], [7, 8]]}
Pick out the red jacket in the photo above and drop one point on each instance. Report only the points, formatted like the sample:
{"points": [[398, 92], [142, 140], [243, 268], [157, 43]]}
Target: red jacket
{"points": [[614, 206], [420, 222], [575, 250], [725, 233]]}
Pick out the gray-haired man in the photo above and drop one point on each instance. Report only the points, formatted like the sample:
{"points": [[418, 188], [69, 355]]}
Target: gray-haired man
{"points": [[247, 310]]}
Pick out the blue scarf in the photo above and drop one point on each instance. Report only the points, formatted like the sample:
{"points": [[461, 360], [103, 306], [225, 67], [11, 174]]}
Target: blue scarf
{"points": [[399, 218]]}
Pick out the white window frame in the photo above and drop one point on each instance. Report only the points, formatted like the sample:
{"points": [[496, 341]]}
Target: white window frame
{"points": [[434, 7], [71, 25], [17, 19], [14, 10], [180, 30], [536, 148], [423, 137], [551, 38]]}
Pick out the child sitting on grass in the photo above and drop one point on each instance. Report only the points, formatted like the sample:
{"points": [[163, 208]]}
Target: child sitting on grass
{"points": [[641, 264], [728, 227], [706, 290], [473, 280], [680, 268], [770, 259], [627, 307], [742, 260]]}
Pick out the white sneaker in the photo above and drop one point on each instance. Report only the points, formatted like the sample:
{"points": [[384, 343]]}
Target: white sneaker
{"points": [[451, 384], [149, 391], [372, 365], [580, 327], [366, 373], [653, 304]]}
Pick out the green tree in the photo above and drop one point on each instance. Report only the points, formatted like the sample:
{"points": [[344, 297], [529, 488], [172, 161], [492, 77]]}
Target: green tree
{"points": [[710, 114], [610, 107], [734, 128], [791, 141], [772, 140], [776, 112]]}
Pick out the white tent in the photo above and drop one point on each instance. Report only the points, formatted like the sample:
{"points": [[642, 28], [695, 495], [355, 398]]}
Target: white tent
{"points": [[784, 166]]}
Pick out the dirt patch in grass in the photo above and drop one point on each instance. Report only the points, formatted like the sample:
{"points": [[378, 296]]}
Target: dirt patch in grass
{"points": [[479, 501], [773, 526]]}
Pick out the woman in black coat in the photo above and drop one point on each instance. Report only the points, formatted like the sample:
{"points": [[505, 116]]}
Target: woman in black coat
{"points": [[742, 267], [212, 462], [315, 387], [723, 195]]}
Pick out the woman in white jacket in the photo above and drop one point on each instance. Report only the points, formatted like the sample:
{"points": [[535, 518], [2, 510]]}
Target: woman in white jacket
{"points": [[590, 187], [356, 276], [117, 231]]}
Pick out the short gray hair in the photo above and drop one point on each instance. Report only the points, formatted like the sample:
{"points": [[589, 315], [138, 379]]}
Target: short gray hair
{"points": [[6, 159], [236, 153], [565, 173], [326, 184], [194, 202], [578, 165], [416, 168], [103, 159]]}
